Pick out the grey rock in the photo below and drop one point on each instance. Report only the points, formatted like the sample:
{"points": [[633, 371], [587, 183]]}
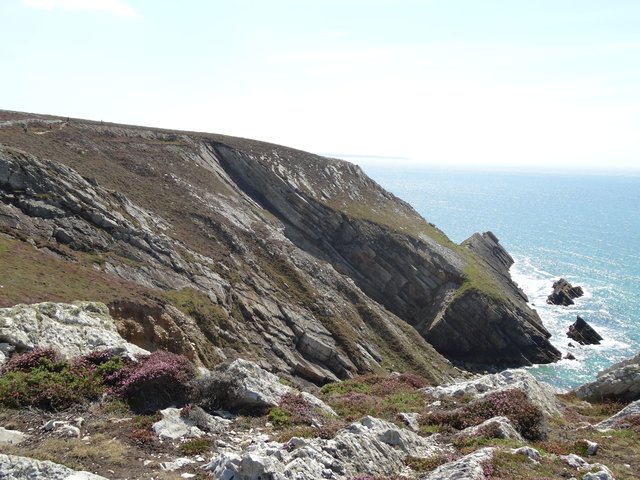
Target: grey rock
{"points": [[539, 393], [592, 447], [23, 468], [529, 452], [500, 427], [177, 464], [410, 420], [255, 387], [11, 437], [70, 329], [620, 381], [574, 461], [468, 467], [172, 426], [370, 446], [613, 421]]}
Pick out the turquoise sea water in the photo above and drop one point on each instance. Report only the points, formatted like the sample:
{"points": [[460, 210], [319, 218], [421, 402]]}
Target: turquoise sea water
{"points": [[585, 228]]}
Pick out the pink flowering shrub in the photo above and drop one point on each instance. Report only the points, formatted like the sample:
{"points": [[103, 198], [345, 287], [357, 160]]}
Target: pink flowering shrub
{"points": [[24, 362], [513, 404], [155, 382], [292, 409]]}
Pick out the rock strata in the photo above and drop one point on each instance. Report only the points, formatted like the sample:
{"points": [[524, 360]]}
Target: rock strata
{"points": [[564, 293], [583, 333]]}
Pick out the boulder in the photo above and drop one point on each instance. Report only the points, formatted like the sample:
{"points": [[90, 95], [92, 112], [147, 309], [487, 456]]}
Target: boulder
{"points": [[564, 293], [620, 381], [583, 333], [11, 437], [539, 393], [468, 467], [529, 452], [254, 387], [370, 446], [496, 427], [615, 420], [13, 467], [71, 329], [173, 425]]}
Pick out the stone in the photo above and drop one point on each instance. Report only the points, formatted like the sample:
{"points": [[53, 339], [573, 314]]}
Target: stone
{"points": [[13, 467], [564, 293], [173, 426], [11, 437], [569, 356], [468, 467], [254, 387], [71, 329], [583, 333], [615, 420], [621, 381], [592, 447], [497, 427], [410, 420], [574, 461], [539, 393], [529, 452], [177, 464], [603, 474], [370, 446]]}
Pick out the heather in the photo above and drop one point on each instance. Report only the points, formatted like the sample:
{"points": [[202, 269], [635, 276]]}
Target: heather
{"points": [[40, 378]]}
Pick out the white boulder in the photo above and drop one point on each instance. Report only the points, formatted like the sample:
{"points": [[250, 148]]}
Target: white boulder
{"points": [[71, 329], [13, 467]]}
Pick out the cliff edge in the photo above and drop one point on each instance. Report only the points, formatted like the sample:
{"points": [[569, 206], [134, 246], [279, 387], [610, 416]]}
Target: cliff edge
{"points": [[217, 247]]}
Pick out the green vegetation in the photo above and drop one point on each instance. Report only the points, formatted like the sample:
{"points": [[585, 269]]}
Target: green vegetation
{"points": [[196, 446], [377, 395]]}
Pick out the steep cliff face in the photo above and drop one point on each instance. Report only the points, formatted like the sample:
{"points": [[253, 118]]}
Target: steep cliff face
{"points": [[217, 247]]}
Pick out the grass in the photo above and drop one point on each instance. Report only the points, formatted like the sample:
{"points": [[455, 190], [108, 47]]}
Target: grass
{"points": [[29, 275], [196, 446]]}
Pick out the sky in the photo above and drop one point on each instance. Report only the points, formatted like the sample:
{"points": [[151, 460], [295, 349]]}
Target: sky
{"points": [[509, 83]]}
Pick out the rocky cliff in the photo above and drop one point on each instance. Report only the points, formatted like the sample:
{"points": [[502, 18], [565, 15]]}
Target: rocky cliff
{"points": [[218, 247]]}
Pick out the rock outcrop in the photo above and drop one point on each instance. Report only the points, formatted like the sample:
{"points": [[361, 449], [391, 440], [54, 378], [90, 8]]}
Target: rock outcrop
{"points": [[23, 468], [617, 420], [539, 393], [219, 247], [621, 381], [564, 293], [370, 446], [71, 329], [583, 333]]}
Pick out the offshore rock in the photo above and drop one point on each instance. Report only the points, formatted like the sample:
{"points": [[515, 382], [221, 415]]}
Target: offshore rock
{"points": [[621, 381], [583, 333], [23, 468], [71, 329], [564, 293]]}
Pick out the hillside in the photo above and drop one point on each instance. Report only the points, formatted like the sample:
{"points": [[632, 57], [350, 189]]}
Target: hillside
{"points": [[218, 248]]}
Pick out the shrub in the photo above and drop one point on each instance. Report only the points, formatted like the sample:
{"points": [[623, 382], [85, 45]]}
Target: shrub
{"points": [[39, 379], [513, 404], [196, 446], [25, 362], [215, 390], [155, 382]]}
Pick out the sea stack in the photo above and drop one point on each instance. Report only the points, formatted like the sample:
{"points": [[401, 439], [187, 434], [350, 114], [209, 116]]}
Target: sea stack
{"points": [[583, 333], [564, 293]]}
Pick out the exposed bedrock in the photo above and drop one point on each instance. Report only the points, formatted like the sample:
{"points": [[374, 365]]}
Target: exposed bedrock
{"points": [[414, 277], [564, 293]]}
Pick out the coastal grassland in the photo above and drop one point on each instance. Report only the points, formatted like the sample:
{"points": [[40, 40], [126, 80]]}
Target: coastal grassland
{"points": [[31, 275]]}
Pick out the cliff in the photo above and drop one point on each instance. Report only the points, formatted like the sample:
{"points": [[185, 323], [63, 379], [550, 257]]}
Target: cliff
{"points": [[218, 247]]}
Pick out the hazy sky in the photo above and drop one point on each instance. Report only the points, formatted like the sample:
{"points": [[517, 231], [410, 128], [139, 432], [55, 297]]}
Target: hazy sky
{"points": [[511, 82]]}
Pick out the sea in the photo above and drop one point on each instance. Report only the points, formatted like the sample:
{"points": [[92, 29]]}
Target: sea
{"points": [[582, 227]]}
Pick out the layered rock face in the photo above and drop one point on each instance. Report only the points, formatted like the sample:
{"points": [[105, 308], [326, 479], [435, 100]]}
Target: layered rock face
{"points": [[621, 381], [564, 293], [216, 247], [583, 333]]}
